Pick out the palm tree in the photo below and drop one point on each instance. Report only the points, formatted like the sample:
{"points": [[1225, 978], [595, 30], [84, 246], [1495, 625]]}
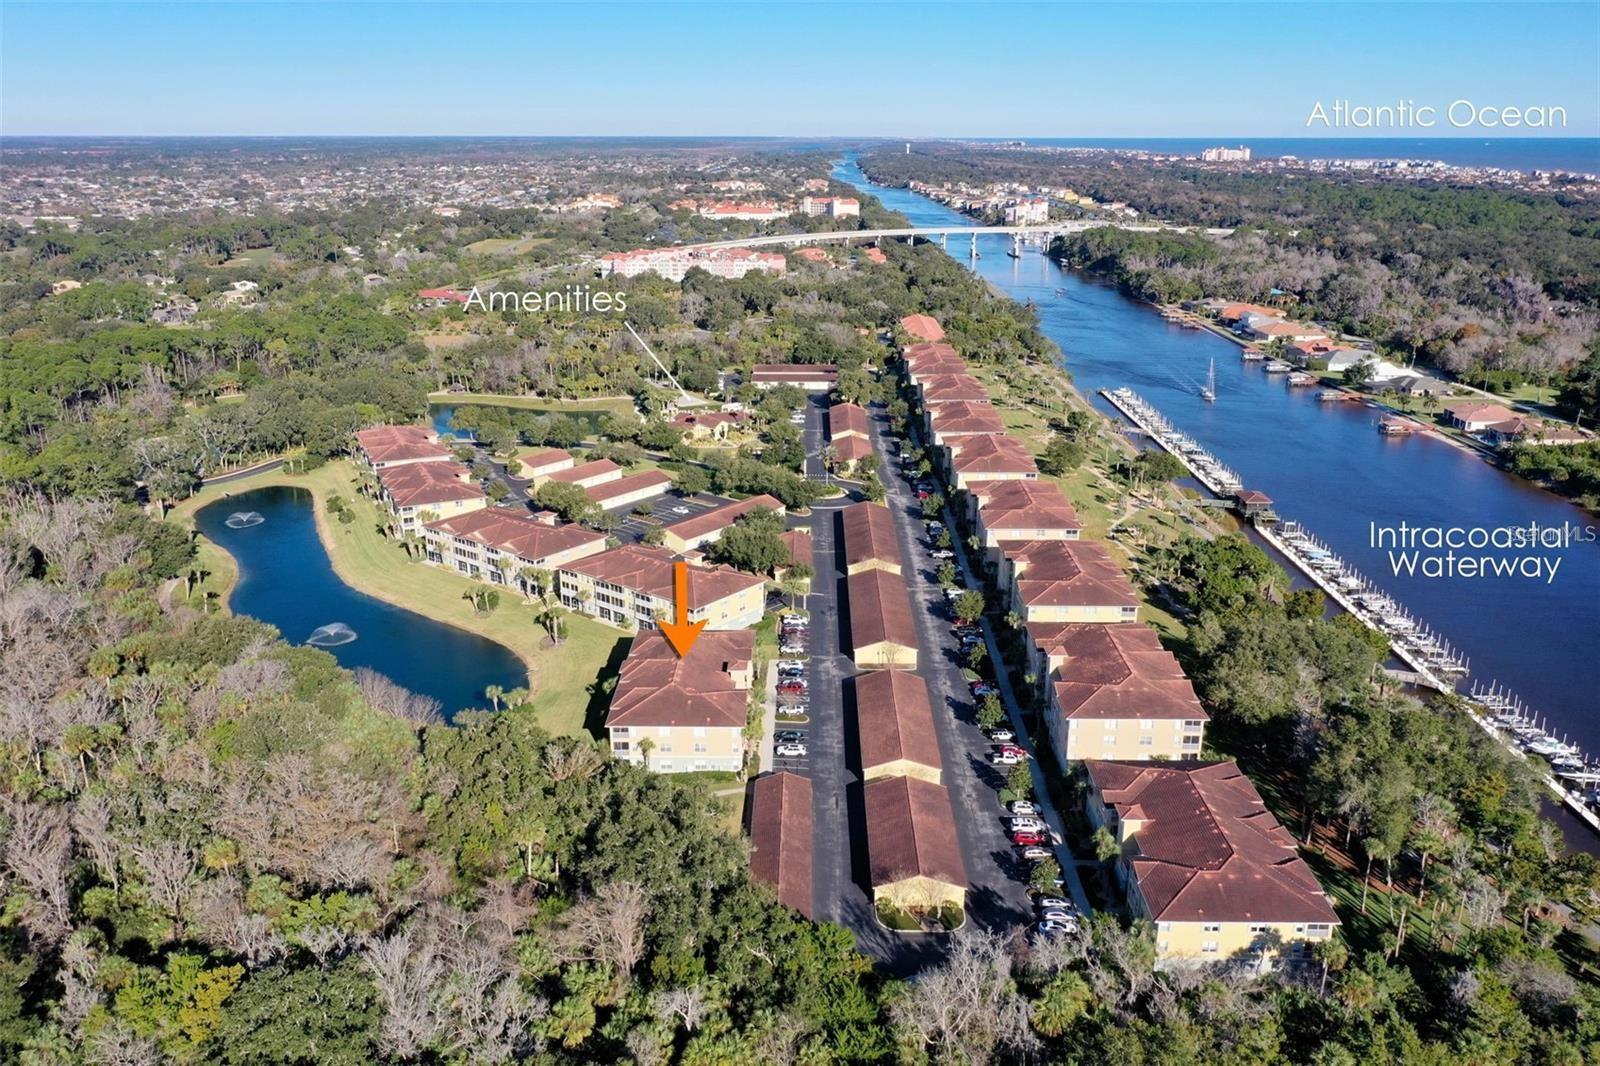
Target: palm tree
{"points": [[646, 746], [494, 692]]}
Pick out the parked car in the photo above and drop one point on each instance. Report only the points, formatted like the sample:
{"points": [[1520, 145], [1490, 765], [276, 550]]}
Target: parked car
{"points": [[790, 751], [1037, 853], [1055, 915], [981, 689], [680, 510], [1000, 735], [790, 668], [795, 685], [789, 617], [1027, 837], [790, 736], [953, 594], [1028, 825], [1012, 749], [1055, 903], [941, 553], [1000, 758], [1056, 928], [1023, 807]]}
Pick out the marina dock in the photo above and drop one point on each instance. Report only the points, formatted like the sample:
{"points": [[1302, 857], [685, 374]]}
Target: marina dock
{"points": [[1569, 773]]}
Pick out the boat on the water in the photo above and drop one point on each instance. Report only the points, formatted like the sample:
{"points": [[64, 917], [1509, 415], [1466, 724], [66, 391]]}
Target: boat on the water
{"points": [[1209, 393]]}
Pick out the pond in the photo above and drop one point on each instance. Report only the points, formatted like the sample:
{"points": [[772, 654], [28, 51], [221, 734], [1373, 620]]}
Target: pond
{"points": [[286, 580]]}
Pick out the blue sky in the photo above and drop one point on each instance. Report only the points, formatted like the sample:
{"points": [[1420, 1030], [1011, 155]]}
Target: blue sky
{"points": [[914, 70]]}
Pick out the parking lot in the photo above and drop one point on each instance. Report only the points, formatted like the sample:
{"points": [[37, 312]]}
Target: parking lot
{"points": [[665, 510]]}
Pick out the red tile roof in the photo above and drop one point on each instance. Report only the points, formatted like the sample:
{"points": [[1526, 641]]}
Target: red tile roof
{"points": [[911, 832], [1068, 573], [880, 610], [917, 354], [965, 417], [1210, 851], [607, 491], [923, 327], [1114, 672], [721, 516], [790, 372], [846, 418], [649, 570], [780, 837], [869, 534], [894, 720], [850, 449], [419, 484], [947, 388], [1024, 505], [584, 471], [543, 458], [798, 541], [657, 688], [990, 453], [520, 534], [389, 444]]}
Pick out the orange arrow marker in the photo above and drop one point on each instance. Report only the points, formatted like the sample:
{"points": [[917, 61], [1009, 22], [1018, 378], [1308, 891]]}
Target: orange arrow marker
{"points": [[681, 633]]}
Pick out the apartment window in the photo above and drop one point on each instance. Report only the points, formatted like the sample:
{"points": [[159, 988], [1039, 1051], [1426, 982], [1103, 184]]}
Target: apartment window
{"points": [[619, 731], [699, 730], [1146, 723], [700, 749], [1165, 927], [666, 747], [1211, 927], [1258, 929], [1209, 947], [1147, 742], [619, 745], [1194, 723], [1109, 739], [1319, 929]]}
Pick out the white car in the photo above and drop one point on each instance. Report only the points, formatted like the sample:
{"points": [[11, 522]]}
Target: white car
{"points": [[1054, 903], [1035, 851], [680, 510], [790, 750], [1023, 807], [790, 664], [1028, 825], [1003, 758], [1002, 736], [1055, 915], [1053, 928]]}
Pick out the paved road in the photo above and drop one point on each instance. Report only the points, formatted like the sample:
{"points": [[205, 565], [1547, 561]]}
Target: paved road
{"points": [[240, 475], [997, 877]]}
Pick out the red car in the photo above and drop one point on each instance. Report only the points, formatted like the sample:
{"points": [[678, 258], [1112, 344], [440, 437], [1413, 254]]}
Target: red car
{"points": [[1012, 749], [792, 686], [1023, 838]]}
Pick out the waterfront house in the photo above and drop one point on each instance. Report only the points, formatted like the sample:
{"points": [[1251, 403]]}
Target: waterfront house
{"points": [[1232, 313], [633, 586], [1065, 581], [681, 714], [913, 855], [415, 492], [497, 545], [381, 447], [584, 475], [987, 457], [1474, 416], [1338, 360], [780, 837], [697, 531], [1207, 863], [812, 377], [922, 328], [869, 538], [1116, 693], [1278, 329], [894, 726], [627, 491], [883, 631]]}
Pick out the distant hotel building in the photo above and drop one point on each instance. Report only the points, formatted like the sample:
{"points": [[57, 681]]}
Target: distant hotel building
{"points": [[1029, 212], [831, 206], [674, 263], [760, 211], [1240, 154]]}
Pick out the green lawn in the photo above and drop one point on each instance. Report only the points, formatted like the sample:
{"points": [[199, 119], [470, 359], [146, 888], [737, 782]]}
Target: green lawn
{"points": [[562, 678]]}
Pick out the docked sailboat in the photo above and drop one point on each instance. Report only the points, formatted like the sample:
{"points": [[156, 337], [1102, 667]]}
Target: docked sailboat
{"points": [[1209, 393]]}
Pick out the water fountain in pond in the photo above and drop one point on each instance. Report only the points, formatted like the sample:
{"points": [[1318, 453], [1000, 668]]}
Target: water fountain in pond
{"points": [[244, 519], [331, 635]]}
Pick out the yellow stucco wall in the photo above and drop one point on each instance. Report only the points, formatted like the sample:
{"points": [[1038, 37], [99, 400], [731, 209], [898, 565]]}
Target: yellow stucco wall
{"points": [[920, 893], [901, 768], [883, 654]]}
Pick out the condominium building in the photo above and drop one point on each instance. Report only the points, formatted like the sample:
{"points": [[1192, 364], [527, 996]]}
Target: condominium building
{"points": [[381, 447], [414, 492], [1116, 693], [498, 545], [1207, 863], [697, 531], [1065, 581], [633, 586], [679, 714], [830, 206], [674, 263]]}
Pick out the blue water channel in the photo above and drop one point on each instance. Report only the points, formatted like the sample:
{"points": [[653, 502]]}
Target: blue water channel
{"points": [[285, 579], [1326, 465]]}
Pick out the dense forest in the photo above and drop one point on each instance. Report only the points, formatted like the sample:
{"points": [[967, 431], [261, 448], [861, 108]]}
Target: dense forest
{"points": [[217, 847], [1476, 280]]}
